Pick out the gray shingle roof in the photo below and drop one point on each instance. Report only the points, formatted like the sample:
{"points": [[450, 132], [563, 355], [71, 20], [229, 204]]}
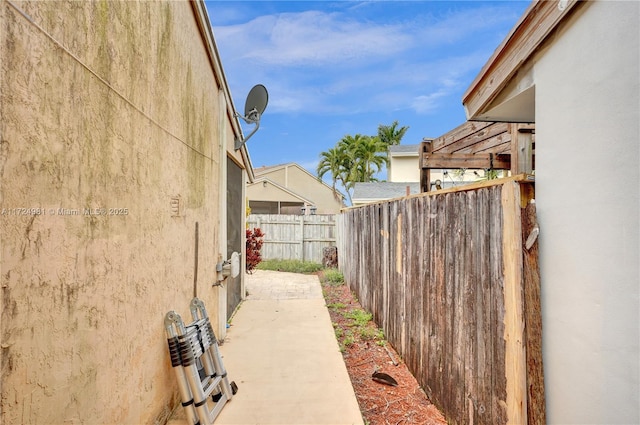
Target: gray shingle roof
{"points": [[383, 190], [395, 149]]}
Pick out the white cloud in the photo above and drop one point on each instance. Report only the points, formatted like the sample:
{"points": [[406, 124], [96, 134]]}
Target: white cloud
{"points": [[331, 63], [425, 104], [312, 38]]}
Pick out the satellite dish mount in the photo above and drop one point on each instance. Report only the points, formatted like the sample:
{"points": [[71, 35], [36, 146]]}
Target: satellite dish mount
{"points": [[254, 106]]}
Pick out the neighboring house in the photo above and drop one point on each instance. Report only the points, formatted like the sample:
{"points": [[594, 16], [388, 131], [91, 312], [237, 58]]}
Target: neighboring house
{"points": [[403, 163], [404, 171], [117, 160], [290, 189], [573, 69], [368, 192]]}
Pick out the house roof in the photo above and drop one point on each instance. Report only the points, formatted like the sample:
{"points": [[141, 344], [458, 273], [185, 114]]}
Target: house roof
{"points": [[404, 150], [281, 188], [484, 99], [382, 190], [266, 169]]}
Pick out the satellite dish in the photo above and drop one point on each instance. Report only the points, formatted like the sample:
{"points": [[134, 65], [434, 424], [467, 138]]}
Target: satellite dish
{"points": [[256, 101], [254, 106]]}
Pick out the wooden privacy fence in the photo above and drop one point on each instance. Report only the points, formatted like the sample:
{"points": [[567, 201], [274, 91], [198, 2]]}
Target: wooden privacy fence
{"points": [[448, 277], [295, 237]]}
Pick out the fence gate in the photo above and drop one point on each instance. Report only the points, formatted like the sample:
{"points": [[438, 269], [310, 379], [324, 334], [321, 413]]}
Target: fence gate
{"points": [[295, 237]]}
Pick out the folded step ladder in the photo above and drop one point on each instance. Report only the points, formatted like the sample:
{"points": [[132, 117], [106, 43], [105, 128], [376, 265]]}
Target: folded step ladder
{"points": [[196, 361]]}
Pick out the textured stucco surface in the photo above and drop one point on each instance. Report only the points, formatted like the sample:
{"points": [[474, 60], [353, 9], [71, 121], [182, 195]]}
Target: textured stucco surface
{"points": [[126, 119], [587, 108]]}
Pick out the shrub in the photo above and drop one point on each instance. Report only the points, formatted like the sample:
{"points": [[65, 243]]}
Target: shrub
{"points": [[254, 245]]}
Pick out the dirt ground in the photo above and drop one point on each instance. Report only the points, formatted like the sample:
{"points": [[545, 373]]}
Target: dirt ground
{"points": [[365, 351]]}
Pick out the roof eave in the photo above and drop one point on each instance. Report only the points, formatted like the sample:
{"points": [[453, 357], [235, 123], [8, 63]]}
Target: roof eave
{"points": [[535, 25]]}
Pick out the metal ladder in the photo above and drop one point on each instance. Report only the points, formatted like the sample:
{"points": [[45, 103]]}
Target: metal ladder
{"points": [[195, 358]]}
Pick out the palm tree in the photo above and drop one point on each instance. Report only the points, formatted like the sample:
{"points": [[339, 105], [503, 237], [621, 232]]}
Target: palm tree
{"points": [[391, 134], [348, 145], [372, 153], [354, 159], [332, 161]]}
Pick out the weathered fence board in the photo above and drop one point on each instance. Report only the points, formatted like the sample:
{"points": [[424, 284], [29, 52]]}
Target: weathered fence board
{"points": [[443, 276], [295, 237], [533, 318]]}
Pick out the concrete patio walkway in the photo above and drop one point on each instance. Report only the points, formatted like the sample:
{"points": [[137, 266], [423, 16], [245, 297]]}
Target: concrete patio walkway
{"points": [[282, 352]]}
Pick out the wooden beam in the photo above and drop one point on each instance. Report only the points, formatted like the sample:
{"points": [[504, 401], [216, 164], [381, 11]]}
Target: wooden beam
{"points": [[515, 357], [458, 133], [462, 188], [425, 174], [498, 144], [521, 149], [448, 160], [493, 133]]}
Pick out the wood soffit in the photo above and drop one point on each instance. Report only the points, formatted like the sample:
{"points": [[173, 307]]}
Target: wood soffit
{"points": [[538, 21]]}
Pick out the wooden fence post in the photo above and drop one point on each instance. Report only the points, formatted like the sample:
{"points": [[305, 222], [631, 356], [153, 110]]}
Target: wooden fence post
{"points": [[426, 147], [533, 316], [521, 149], [515, 356], [302, 237]]}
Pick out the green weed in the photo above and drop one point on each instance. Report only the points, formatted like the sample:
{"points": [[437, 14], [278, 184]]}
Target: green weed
{"points": [[371, 334], [347, 342], [359, 317], [336, 306], [291, 266], [333, 277]]}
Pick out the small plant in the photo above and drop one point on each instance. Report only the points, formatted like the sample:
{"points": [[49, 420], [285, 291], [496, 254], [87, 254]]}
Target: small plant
{"points": [[336, 306], [333, 277], [254, 245], [368, 333], [347, 342], [338, 330], [490, 174], [359, 317]]}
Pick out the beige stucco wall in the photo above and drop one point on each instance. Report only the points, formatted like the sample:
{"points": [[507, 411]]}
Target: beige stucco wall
{"points": [[128, 122], [404, 169], [280, 176], [266, 191], [300, 182], [587, 195]]}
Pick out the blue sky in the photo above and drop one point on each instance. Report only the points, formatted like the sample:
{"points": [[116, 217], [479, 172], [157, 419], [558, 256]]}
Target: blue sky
{"points": [[334, 68]]}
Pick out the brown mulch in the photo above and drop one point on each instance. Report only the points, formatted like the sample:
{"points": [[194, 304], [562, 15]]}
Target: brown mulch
{"points": [[365, 351]]}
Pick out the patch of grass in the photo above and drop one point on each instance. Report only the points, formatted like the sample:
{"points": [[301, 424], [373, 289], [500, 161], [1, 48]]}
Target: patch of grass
{"points": [[336, 306], [359, 317], [371, 334], [333, 277], [354, 325], [347, 342], [291, 266], [338, 330]]}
